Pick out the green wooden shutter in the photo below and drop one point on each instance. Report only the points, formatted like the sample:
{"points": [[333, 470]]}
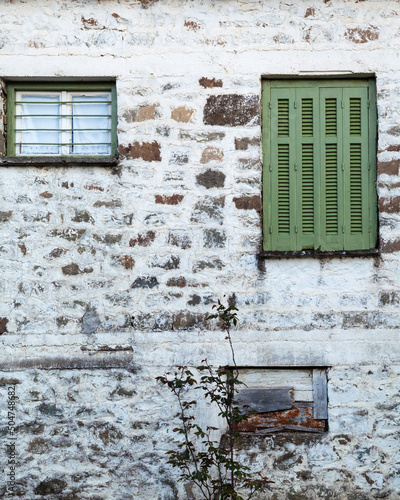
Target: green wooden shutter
{"points": [[319, 141], [283, 174]]}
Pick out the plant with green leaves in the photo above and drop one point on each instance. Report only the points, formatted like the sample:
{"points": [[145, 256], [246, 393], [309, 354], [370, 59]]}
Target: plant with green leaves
{"points": [[203, 461]]}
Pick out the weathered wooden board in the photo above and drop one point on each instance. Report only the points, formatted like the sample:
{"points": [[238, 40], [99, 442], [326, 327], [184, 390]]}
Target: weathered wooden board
{"points": [[300, 379], [320, 394], [262, 400]]}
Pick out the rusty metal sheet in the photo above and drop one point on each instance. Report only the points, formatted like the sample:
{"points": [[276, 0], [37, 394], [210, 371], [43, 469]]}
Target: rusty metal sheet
{"points": [[295, 418]]}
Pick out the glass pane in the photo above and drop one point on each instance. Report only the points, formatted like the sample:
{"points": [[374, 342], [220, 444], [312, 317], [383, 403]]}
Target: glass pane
{"points": [[90, 133], [38, 119]]}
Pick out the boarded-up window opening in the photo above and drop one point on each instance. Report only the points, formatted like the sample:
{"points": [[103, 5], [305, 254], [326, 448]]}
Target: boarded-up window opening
{"points": [[279, 399]]}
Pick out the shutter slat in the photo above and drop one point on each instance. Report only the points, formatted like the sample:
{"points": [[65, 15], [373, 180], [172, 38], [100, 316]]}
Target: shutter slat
{"points": [[307, 187], [283, 189]]}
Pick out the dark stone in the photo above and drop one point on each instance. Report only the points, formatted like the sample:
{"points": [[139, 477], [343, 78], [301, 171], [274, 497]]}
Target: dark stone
{"points": [[143, 240], [83, 216], [145, 282], [210, 83], [108, 204], [3, 325], [56, 252], [249, 164], [390, 246], [179, 159], [389, 167], [194, 300], [179, 238], [38, 446], [68, 234], [90, 322], [73, 269], [208, 264], [243, 144], [108, 239], [62, 321], [211, 178], [173, 199], [163, 131], [165, 262], [178, 282], [8, 381], [389, 298], [152, 322], [186, 320], [5, 216], [232, 110], [50, 487], [147, 151], [248, 203], [209, 209], [213, 238], [50, 410]]}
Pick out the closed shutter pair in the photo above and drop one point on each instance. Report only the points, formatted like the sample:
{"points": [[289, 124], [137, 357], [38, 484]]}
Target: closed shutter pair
{"points": [[319, 143]]}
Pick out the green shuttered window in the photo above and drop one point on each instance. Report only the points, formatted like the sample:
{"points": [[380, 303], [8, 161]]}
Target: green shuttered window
{"points": [[319, 147], [61, 119]]}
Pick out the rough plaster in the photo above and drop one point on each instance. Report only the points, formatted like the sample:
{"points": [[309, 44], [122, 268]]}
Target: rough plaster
{"points": [[106, 274]]}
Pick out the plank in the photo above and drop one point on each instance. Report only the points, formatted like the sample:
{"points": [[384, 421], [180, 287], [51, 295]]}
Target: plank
{"points": [[320, 394], [262, 400]]}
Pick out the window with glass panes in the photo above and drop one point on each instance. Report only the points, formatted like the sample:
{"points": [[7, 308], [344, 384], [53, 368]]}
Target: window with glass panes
{"points": [[52, 120], [319, 165]]}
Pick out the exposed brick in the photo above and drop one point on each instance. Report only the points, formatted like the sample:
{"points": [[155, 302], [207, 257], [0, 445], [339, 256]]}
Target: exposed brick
{"points": [[208, 264], [310, 12], [56, 252], [362, 35], [182, 114], [232, 110], [210, 83], [173, 199], [73, 269], [390, 205], [187, 320], [147, 151], [389, 298], [211, 178], [395, 130], [211, 153], [201, 136], [46, 195], [389, 167], [142, 113], [83, 216], [191, 25], [389, 246], [248, 203], [127, 261], [108, 239], [68, 234]]}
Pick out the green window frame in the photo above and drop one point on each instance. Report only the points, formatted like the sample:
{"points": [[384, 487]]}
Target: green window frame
{"points": [[69, 97], [319, 165]]}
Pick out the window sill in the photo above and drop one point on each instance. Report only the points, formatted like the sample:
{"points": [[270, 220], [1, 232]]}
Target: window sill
{"points": [[58, 161], [318, 254]]}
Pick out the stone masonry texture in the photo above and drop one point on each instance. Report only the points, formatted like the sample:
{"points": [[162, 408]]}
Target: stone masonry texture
{"points": [[107, 273]]}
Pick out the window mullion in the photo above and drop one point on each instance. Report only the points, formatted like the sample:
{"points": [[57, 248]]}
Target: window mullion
{"points": [[65, 123]]}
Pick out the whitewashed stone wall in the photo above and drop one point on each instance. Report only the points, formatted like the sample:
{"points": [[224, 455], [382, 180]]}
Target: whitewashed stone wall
{"points": [[106, 274]]}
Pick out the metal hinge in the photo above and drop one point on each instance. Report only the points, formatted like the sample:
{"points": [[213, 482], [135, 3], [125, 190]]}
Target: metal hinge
{"points": [[368, 103], [342, 104], [370, 228], [342, 229], [295, 104], [270, 229], [343, 166], [270, 167], [269, 105], [369, 166], [295, 166], [296, 229]]}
